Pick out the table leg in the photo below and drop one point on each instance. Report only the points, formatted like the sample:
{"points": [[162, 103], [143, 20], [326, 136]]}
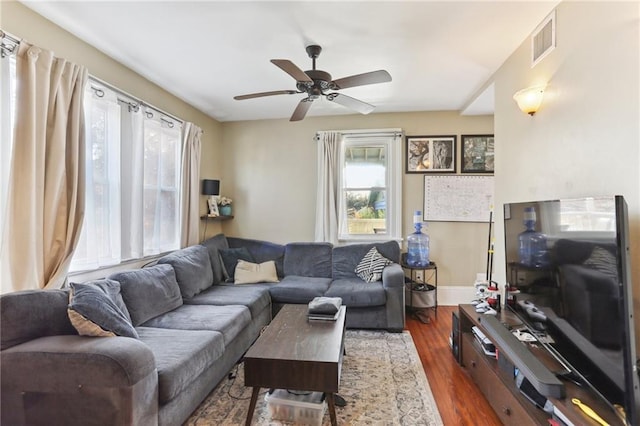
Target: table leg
{"points": [[252, 405], [332, 409]]}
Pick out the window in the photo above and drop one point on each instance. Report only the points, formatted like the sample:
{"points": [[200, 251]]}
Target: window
{"points": [[132, 180], [369, 201]]}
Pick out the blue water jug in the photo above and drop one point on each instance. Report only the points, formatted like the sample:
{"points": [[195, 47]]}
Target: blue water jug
{"points": [[532, 244], [418, 244]]}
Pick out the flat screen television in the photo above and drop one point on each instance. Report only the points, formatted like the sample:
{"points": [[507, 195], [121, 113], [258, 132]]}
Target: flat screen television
{"points": [[568, 261]]}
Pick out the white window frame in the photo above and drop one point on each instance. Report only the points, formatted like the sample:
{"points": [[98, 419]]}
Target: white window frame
{"points": [[392, 141]]}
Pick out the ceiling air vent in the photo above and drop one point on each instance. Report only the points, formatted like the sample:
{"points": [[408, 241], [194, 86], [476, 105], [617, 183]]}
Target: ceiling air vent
{"points": [[543, 39]]}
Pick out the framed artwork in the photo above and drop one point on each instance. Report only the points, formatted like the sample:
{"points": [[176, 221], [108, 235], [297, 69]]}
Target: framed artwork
{"points": [[431, 154], [477, 154]]}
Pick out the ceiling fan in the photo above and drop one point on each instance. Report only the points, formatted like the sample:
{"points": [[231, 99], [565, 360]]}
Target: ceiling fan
{"points": [[316, 83]]}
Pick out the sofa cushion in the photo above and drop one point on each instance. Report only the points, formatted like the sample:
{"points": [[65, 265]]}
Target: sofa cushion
{"points": [[261, 251], [193, 269], [149, 292], [356, 293], [214, 245], [181, 356], [230, 259], [297, 289], [371, 266], [229, 320], [308, 259], [252, 273], [346, 258], [97, 309], [254, 297]]}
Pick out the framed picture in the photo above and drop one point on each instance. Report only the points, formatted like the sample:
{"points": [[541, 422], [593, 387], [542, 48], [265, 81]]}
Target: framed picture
{"points": [[477, 153], [431, 154]]}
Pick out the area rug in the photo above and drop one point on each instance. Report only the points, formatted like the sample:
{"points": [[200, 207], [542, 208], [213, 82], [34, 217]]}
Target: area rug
{"points": [[382, 381]]}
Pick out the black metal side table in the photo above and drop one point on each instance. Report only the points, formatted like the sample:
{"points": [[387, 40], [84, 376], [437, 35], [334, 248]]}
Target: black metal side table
{"points": [[421, 285]]}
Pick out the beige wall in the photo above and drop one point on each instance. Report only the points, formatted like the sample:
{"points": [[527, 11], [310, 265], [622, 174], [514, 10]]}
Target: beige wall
{"points": [[22, 22], [585, 139], [270, 172]]}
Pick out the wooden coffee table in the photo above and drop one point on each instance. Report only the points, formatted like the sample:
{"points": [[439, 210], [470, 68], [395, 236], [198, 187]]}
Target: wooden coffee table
{"points": [[297, 354]]}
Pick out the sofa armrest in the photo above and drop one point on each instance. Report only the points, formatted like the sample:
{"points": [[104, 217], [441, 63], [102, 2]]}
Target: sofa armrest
{"points": [[72, 361], [393, 276], [71, 379]]}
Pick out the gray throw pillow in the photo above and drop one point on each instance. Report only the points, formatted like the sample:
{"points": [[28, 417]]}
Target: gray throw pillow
{"points": [[149, 292], [230, 259], [213, 245], [97, 309], [193, 269]]}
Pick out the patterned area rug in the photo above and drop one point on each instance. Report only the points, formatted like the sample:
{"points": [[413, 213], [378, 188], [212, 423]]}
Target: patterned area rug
{"points": [[382, 381]]}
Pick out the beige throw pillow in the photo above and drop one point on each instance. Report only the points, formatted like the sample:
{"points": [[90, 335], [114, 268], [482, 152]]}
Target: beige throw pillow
{"points": [[251, 273]]}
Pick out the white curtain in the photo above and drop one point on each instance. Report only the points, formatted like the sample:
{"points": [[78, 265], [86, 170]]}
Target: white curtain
{"points": [[190, 185], [7, 67], [132, 172], [99, 243], [329, 144], [45, 203]]}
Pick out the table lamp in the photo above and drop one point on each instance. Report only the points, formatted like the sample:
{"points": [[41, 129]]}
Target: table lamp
{"points": [[211, 187]]}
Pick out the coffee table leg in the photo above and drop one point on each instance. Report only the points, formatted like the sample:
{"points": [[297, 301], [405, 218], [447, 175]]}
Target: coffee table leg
{"points": [[252, 405], [332, 409]]}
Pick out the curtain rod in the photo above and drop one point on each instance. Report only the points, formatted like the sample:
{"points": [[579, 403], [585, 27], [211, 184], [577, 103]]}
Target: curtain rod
{"points": [[363, 133], [132, 100], [8, 49]]}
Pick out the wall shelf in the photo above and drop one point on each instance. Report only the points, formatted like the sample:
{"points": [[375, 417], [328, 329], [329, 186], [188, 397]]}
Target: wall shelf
{"points": [[219, 218]]}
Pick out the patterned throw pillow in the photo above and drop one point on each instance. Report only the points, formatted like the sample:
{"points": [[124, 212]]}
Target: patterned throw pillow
{"points": [[97, 309], [371, 266], [604, 261]]}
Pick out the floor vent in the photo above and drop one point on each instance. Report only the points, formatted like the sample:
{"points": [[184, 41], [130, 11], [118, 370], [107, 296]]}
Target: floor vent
{"points": [[543, 39]]}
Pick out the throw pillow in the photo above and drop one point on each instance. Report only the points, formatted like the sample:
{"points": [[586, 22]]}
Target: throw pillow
{"points": [[371, 266], [230, 259], [97, 309], [149, 292], [251, 273], [193, 269], [604, 261]]}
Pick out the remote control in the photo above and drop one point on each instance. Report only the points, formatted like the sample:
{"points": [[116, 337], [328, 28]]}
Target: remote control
{"points": [[536, 314]]}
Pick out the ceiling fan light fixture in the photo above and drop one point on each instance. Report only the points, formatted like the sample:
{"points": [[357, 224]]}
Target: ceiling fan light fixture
{"points": [[316, 82]]}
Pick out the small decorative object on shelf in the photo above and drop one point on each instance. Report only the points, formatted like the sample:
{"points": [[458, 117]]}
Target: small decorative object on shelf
{"points": [[224, 206]]}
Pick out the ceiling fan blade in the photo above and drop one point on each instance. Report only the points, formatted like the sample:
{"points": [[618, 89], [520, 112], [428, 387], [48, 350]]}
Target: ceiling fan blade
{"points": [[352, 103], [291, 69], [373, 77], [261, 94], [301, 109]]}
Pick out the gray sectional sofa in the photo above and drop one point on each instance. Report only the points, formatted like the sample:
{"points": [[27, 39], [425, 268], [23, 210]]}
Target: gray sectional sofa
{"points": [[192, 323]]}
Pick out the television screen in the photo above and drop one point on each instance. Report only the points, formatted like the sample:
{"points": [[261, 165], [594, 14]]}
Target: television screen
{"points": [[568, 262]]}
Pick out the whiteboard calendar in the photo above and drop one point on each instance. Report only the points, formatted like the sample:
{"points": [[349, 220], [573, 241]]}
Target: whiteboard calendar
{"points": [[458, 198]]}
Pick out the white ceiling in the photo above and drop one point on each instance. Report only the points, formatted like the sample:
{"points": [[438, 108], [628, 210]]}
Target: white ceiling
{"points": [[441, 55]]}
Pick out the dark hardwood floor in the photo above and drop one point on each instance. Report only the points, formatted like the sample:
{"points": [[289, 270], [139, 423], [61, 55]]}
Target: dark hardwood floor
{"points": [[459, 400]]}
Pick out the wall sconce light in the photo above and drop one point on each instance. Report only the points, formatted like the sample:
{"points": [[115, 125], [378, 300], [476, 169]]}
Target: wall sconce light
{"points": [[529, 99], [211, 187]]}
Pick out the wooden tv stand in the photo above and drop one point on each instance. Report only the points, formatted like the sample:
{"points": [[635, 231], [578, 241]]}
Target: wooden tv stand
{"points": [[497, 383]]}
